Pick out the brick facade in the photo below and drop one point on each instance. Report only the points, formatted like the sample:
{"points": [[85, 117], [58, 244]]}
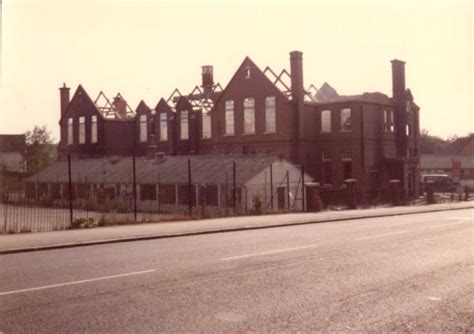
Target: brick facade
{"points": [[379, 143]]}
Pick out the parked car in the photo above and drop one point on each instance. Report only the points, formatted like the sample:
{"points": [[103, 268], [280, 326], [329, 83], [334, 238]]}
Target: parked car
{"points": [[441, 182]]}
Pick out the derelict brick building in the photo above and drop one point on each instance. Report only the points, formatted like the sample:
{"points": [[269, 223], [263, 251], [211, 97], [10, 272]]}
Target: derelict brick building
{"points": [[370, 137]]}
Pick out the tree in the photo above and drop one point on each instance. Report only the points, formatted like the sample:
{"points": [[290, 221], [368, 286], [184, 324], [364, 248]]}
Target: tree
{"points": [[430, 144], [40, 149]]}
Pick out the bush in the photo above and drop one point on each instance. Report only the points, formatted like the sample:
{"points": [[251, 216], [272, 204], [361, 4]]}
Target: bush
{"points": [[257, 204], [83, 223]]}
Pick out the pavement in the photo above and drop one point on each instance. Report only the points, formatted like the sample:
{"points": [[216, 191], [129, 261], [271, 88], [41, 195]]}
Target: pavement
{"points": [[397, 274], [27, 242]]}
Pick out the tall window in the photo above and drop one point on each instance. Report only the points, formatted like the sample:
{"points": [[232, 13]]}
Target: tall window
{"points": [[388, 124], [408, 129], [184, 125], [70, 123], [94, 129], [229, 117], [346, 158], [206, 125], [249, 115], [163, 126], [346, 120], [326, 121], [82, 130], [270, 117], [143, 129], [408, 106]]}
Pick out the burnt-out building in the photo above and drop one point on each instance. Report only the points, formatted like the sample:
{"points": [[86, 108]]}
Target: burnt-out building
{"points": [[370, 137]]}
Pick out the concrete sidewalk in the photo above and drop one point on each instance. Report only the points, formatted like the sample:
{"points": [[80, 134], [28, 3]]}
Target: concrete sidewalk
{"points": [[16, 243]]}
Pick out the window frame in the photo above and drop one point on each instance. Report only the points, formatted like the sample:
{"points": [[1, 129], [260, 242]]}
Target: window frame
{"points": [[270, 114], [184, 124], [70, 131], [249, 116], [163, 129], [206, 134], [94, 129], [229, 117], [346, 124], [323, 128], [143, 128]]}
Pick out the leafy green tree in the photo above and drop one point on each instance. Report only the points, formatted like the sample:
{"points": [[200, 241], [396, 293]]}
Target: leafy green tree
{"points": [[40, 149]]}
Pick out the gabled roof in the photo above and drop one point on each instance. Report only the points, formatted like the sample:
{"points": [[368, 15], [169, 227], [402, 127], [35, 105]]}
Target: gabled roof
{"points": [[162, 105], [445, 161], [142, 108], [463, 145], [206, 169], [249, 62]]}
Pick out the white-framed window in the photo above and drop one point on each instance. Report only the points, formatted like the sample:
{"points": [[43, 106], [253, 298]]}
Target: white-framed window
{"points": [[270, 114], [346, 120], [82, 130], [184, 121], [408, 129], [94, 129], [346, 156], [229, 117], [249, 115], [70, 134], [388, 123], [408, 106], [327, 156], [326, 121], [163, 126], [143, 128], [206, 125]]}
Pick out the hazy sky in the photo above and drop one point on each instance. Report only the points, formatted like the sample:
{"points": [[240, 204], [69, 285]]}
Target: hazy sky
{"points": [[144, 49]]}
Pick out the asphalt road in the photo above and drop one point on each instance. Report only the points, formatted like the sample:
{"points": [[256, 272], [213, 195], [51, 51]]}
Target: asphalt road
{"points": [[407, 273]]}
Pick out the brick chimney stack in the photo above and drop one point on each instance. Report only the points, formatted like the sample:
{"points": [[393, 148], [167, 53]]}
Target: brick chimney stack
{"points": [[399, 98], [297, 90], [64, 98], [207, 79]]}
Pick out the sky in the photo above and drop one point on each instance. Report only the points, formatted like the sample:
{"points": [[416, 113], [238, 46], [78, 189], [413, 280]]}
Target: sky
{"points": [[145, 49]]}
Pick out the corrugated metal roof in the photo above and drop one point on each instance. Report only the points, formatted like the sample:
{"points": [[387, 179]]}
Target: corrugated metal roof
{"points": [[206, 169], [444, 161]]}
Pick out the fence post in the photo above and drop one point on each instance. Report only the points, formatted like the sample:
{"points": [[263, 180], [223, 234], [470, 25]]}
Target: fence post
{"points": [[233, 187], [288, 190], [134, 193], [190, 190], [271, 186], [70, 187], [302, 188]]}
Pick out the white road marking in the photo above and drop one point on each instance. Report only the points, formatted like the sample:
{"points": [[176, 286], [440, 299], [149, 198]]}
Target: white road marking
{"points": [[450, 224], [380, 235], [434, 298], [268, 252], [74, 282]]}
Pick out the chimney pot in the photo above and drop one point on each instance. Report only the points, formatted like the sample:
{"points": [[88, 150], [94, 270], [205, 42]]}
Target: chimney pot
{"points": [[207, 79]]}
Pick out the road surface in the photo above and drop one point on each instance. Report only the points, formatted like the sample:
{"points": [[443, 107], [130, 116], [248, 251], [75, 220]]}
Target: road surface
{"points": [[406, 273]]}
